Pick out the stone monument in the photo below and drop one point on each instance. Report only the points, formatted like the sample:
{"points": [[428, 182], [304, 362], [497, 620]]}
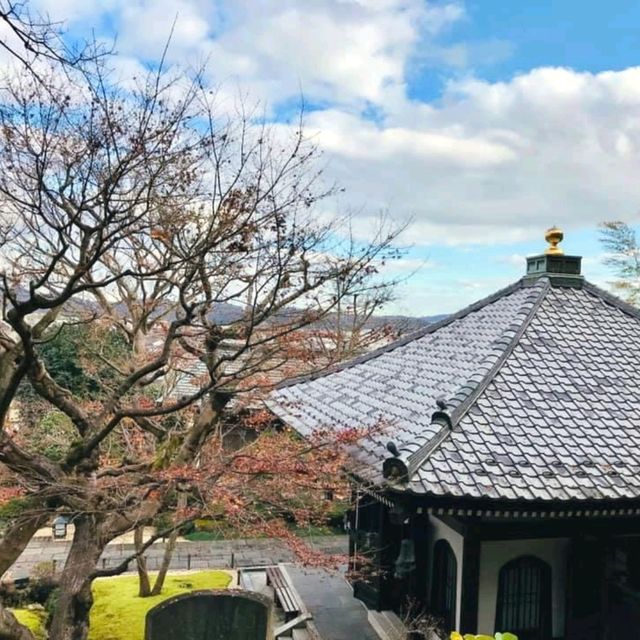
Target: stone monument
{"points": [[220, 614]]}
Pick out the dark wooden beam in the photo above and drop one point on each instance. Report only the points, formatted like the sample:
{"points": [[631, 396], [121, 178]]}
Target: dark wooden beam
{"points": [[460, 507], [567, 528]]}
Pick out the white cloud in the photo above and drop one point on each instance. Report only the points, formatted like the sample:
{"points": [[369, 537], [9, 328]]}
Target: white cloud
{"points": [[512, 260], [343, 51], [346, 52], [352, 136], [499, 161], [439, 17], [485, 162], [432, 295], [145, 27]]}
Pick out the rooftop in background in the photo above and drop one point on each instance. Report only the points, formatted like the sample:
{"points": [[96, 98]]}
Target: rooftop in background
{"points": [[541, 387]]}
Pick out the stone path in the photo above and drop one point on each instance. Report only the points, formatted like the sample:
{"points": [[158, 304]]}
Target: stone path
{"points": [[218, 554], [337, 615]]}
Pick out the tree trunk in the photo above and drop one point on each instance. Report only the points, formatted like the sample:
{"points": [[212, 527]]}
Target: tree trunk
{"points": [[10, 628], [144, 586], [166, 561], [208, 417], [169, 548], [16, 538], [70, 620]]}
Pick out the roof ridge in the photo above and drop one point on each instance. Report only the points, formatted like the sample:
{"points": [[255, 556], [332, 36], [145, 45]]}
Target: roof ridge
{"points": [[410, 337], [417, 459], [613, 300], [465, 405]]}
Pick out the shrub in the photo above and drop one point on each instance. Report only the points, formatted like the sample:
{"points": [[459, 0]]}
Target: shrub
{"points": [[52, 602], [336, 514], [455, 635], [37, 591], [42, 589]]}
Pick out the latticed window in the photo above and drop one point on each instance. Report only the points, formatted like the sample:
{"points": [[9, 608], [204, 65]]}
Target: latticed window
{"points": [[444, 584], [524, 599]]}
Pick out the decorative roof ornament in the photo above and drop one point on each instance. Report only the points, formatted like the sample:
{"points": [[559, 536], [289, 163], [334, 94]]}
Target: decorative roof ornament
{"points": [[395, 469], [554, 237], [562, 270], [392, 449]]}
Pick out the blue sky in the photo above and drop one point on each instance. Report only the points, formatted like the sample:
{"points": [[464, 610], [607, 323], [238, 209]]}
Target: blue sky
{"points": [[507, 38], [483, 121], [590, 36]]}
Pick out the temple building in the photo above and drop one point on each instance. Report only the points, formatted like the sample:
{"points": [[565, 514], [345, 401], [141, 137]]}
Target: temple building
{"points": [[503, 491]]}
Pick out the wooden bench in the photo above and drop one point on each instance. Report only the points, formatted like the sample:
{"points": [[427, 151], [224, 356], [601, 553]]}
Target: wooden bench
{"points": [[284, 593]]}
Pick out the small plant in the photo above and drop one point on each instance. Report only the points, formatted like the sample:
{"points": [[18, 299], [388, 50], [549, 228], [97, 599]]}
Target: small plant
{"points": [[45, 570], [455, 635], [421, 625]]}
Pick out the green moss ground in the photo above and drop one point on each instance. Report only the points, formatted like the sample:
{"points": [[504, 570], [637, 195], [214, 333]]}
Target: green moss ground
{"points": [[119, 614], [33, 620]]}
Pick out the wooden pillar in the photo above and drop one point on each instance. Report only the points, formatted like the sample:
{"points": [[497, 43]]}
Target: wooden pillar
{"points": [[353, 527], [366, 538], [470, 583], [391, 593], [585, 588], [420, 535], [381, 579]]}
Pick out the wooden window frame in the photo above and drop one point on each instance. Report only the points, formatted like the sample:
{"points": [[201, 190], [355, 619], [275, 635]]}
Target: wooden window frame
{"points": [[444, 584], [525, 563]]}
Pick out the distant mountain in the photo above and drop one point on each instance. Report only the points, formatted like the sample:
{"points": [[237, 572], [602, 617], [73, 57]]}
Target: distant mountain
{"points": [[410, 323], [227, 313]]}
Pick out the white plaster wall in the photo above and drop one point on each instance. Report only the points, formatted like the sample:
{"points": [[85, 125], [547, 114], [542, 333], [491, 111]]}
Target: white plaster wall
{"points": [[438, 530], [494, 554]]}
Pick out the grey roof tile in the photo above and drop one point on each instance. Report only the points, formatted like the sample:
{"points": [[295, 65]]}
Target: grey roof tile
{"points": [[543, 385]]}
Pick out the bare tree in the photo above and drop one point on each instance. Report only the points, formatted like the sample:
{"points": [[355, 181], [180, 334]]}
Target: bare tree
{"points": [[142, 211], [30, 38], [353, 328], [623, 256]]}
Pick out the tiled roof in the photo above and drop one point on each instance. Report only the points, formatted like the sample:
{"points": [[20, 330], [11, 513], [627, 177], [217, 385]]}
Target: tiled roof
{"points": [[541, 383], [191, 374]]}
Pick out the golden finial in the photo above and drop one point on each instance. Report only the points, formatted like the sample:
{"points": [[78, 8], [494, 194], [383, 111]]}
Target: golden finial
{"points": [[554, 237]]}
